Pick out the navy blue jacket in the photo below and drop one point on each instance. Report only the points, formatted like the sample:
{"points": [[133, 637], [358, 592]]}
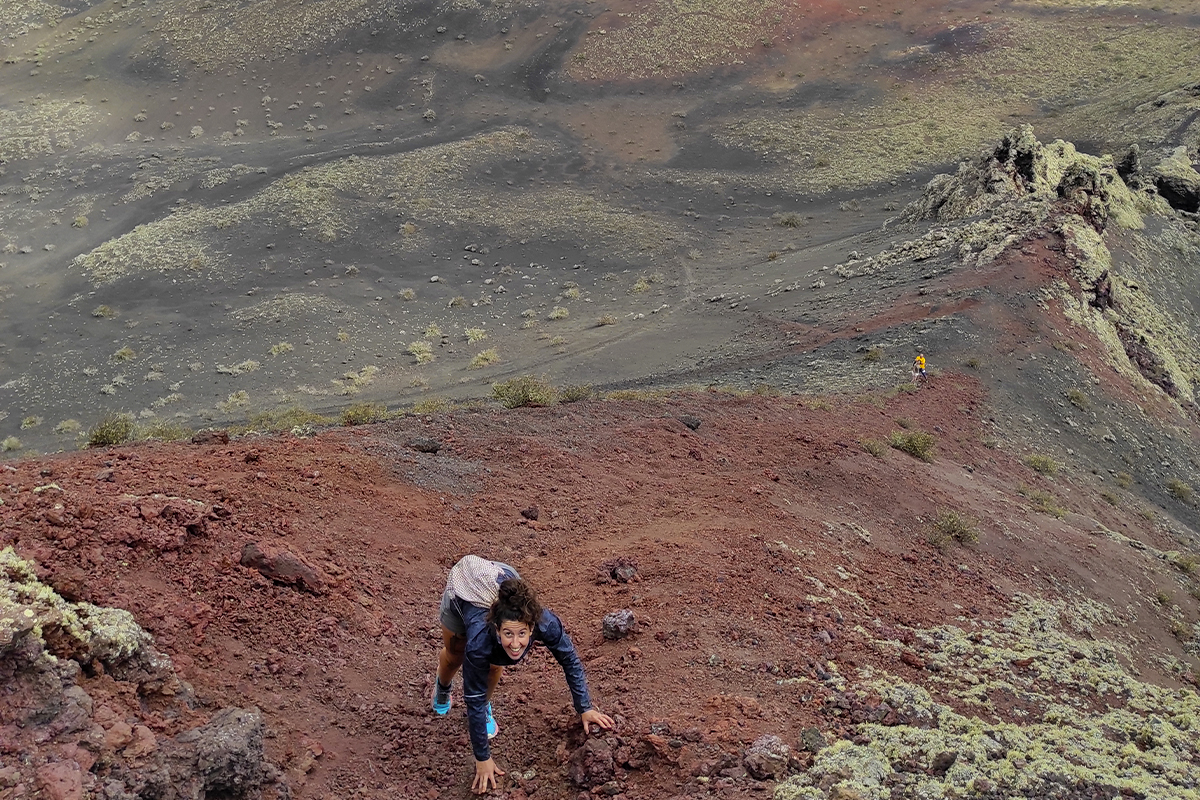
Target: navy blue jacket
{"points": [[484, 649]]}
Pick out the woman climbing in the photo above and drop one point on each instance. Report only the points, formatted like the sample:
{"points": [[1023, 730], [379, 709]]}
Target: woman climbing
{"points": [[489, 618]]}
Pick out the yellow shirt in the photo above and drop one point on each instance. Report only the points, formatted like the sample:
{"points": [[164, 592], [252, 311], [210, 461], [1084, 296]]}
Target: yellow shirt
{"points": [[919, 362]]}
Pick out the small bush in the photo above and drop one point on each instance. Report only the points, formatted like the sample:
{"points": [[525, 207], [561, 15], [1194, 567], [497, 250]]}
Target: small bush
{"points": [[407, 294], [124, 354], [163, 431], [953, 526], [285, 420], [1162, 598], [281, 348], [572, 293], [1042, 464], [606, 319], [364, 414], [112, 430], [421, 351], [575, 392], [788, 219], [475, 335], [917, 444], [973, 363], [433, 331], [1110, 498], [1179, 490], [241, 368], [1124, 480], [557, 341], [10, 443], [32, 421], [485, 358], [1044, 502], [873, 446], [872, 355], [558, 312], [104, 312], [640, 285], [904, 422], [342, 336], [1078, 399], [432, 405], [529, 324], [1187, 563], [79, 222], [68, 426], [524, 391]]}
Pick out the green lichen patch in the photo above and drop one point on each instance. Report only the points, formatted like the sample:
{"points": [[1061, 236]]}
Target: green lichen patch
{"points": [[1070, 66], [108, 634], [42, 127], [336, 200], [1082, 721], [672, 38]]}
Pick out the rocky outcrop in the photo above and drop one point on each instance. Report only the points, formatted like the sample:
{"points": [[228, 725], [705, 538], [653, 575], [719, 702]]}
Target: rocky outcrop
{"points": [[64, 745]]}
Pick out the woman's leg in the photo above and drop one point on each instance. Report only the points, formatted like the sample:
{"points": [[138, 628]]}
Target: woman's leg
{"points": [[454, 647], [494, 679]]}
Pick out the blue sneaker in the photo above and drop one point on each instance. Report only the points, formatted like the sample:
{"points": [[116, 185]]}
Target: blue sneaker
{"points": [[441, 698], [492, 727]]}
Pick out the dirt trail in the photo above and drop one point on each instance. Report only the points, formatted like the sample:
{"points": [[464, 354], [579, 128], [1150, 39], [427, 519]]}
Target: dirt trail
{"points": [[771, 549]]}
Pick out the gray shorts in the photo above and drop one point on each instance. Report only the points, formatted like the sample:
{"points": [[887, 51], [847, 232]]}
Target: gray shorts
{"points": [[450, 609]]}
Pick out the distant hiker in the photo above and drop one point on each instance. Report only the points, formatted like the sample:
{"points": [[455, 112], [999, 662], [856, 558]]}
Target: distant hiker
{"points": [[918, 367], [489, 618]]}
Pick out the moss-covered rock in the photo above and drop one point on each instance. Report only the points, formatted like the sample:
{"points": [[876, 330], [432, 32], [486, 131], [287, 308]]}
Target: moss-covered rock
{"points": [[1088, 724]]}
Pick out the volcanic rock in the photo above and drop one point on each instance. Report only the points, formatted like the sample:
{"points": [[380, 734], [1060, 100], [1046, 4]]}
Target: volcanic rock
{"points": [[284, 568], [618, 624], [591, 764], [767, 758]]}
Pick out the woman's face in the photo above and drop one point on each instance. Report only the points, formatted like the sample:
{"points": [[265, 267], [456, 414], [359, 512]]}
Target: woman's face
{"points": [[514, 638]]}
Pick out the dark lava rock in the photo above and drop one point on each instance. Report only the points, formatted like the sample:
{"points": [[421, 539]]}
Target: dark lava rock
{"points": [[618, 624], [283, 568], [423, 444], [591, 764], [619, 569], [221, 759], [687, 419], [767, 758], [531, 513], [942, 763], [211, 436], [813, 740]]}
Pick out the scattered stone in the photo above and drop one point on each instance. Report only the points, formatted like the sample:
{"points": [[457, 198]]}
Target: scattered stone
{"points": [[813, 740], [767, 758], [62, 780], [687, 419], [591, 764], [424, 444], [284, 568], [942, 763], [211, 436], [913, 660], [618, 624], [221, 759], [104, 476], [619, 569], [531, 513]]}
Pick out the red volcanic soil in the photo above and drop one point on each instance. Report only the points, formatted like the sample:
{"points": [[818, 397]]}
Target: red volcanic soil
{"points": [[769, 545]]}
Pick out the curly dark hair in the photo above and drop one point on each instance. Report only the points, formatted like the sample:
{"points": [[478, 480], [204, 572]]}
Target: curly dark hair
{"points": [[517, 602]]}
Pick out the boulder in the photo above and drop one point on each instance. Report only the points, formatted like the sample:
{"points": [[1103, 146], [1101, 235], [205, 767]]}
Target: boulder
{"points": [[618, 624], [767, 758], [284, 568], [591, 764]]}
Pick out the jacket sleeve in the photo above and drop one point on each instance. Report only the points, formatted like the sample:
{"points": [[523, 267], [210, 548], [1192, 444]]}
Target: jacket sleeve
{"points": [[475, 671], [550, 631]]}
